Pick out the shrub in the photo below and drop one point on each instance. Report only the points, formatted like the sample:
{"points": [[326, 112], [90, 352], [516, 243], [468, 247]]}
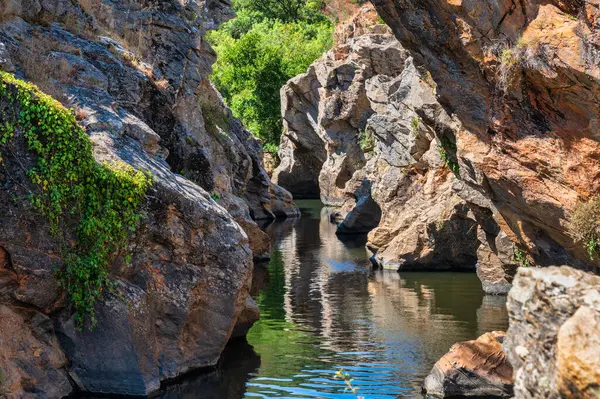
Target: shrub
{"points": [[103, 199], [584, 226], [524, 54], [256, 56]]}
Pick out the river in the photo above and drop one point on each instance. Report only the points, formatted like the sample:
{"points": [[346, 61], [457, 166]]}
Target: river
{"points": [[323, 308]]}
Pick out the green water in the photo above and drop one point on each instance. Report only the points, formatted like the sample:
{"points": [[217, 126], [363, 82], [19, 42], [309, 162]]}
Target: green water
{"points": [[324, 308]]}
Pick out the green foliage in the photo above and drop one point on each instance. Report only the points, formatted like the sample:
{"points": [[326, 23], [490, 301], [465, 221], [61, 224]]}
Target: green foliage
{"points": [[257, 53], [270, 148], [288, 11], [215, 196], [340, 374], [100, 200], [521, 258], [366, 140], [584, 226], [448, 153]]}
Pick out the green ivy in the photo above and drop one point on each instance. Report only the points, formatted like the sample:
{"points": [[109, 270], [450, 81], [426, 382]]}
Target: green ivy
{"points": [[95, 204], [448, 153], [521, 258]]}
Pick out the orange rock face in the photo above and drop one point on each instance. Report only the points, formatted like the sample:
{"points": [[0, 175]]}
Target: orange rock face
{"points": [[473, 368], [522, 80]]}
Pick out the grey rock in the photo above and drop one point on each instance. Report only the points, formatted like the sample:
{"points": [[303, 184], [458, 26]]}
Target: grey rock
{"points": [[552, 348]]}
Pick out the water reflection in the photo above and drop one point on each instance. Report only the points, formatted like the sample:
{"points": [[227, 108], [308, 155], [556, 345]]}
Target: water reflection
{"points": [[324, 308]]}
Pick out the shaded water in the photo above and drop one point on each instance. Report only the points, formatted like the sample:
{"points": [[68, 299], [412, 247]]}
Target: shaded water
{"points": [[324, 308]]}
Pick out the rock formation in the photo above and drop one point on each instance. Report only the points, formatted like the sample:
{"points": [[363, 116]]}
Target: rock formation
{"points": [[477, 368], [553, 341], [478, 124], [520, 80], [135, 73], [364, 126]]}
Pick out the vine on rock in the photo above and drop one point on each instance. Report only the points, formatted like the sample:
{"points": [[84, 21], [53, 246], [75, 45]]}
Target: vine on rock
{"points": [[92, 208]]}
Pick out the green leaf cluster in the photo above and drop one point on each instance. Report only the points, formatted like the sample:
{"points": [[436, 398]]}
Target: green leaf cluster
{"points": [[521, 258], [447, 151], [257, 53], [92, 208]]}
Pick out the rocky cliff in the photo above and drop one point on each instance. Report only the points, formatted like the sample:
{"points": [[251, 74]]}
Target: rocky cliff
{"points": [[365, 131], [134, 74], [520, 81], [553, 341], [466, 134]]}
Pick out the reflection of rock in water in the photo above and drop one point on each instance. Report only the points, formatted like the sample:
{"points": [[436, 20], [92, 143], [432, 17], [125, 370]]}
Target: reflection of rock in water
{"points": [[227, 381], [492, 315], [430, 312]]}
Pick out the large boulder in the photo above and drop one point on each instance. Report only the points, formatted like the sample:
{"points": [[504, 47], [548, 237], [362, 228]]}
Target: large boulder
{"points": [[136, 75], [477, 368], [553, 338]]}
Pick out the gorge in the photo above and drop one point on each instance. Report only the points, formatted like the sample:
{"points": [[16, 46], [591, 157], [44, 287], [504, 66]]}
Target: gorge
{"points": [[452, 142]]}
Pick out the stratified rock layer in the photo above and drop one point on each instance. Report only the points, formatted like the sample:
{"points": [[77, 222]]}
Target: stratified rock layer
{"points": [[477, 368], [135, 73], [554, 333]]}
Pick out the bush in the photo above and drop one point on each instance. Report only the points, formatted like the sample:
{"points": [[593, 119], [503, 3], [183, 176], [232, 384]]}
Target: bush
{"points": [[585, 225], [257, 55]]}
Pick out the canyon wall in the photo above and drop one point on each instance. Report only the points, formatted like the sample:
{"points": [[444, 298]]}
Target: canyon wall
{"points": [[520, 80], [364, 130], [135, 74], [466, 134]]}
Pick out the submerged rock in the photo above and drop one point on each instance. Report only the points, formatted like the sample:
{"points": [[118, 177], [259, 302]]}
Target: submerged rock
{"points": [[476, 368], [553, 340]]}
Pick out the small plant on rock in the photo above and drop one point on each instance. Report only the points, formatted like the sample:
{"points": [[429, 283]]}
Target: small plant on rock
{"points": [[414, 125], [448, 153], [366, 140], [584, 226], [521, 258]]}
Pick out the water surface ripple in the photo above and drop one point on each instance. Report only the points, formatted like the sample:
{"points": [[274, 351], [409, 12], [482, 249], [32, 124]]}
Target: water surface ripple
{"points": [[324, 308]]}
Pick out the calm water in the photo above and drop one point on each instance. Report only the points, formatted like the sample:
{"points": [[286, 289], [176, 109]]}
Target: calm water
{"points": [[324, 308]]}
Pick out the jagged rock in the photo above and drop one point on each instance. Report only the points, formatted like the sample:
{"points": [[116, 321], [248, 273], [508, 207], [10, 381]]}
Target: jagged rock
{"points": [[144, 98], [354, 114], [553, 336], [521, 81], [477, 368]]}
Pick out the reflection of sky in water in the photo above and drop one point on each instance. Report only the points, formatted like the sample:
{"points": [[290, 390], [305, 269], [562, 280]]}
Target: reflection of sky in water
{"points": [[323, 308]]}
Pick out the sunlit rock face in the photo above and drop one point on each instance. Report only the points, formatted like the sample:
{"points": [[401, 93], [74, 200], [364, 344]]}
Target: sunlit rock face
{"points": [[554, 333], [136, 74], [364, 125], [521, 81], [476, 368]]}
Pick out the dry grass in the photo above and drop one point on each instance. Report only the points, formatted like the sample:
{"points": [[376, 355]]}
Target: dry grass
{"points": [[525, 54], [584, 226]]}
